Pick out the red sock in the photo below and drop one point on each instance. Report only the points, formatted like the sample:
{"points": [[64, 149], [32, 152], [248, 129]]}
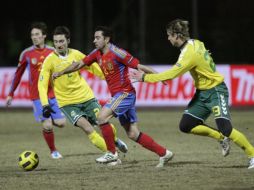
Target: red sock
{"points": [[147, 142], [49, 138], [108, 135]]}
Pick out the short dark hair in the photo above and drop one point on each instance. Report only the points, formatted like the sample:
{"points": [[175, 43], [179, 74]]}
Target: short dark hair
{"points": [[41, 26], [179, 26], [62, 30], [106, 31]]}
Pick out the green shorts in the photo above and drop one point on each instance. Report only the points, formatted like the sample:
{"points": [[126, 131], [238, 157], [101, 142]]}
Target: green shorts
{"points": [[205, 102], [89, 110]]}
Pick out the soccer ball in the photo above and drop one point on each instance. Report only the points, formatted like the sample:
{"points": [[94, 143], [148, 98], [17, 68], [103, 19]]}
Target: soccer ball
{"points": [[28, 160]]}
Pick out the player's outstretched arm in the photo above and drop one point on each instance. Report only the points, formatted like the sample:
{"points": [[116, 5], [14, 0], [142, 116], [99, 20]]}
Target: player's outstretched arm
{"points": [[75, 66], [146, 69]]}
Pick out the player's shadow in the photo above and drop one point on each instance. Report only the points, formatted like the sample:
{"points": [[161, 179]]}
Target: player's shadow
{"points": [[135, 163], [77, 155], [233, 166]]}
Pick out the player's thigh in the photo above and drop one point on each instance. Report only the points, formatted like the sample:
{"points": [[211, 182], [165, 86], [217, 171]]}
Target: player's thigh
{"points": [[89, 110], [129, 117], [197, 108], [123, 107], [218, 103]]}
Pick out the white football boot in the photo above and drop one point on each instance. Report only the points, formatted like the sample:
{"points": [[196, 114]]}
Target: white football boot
{"points": [[107, 158], [164, 159], [56, 155], [251, 163], [121, 145], [225, 145]]}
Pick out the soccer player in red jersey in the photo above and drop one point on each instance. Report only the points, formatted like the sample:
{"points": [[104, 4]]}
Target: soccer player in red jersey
{"points": [[32, 58], [114, 63]]}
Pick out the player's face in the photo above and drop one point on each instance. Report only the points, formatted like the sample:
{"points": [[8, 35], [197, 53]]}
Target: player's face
{"points": [[37, 37], [99, 40], [61, 44], [172, 37]]}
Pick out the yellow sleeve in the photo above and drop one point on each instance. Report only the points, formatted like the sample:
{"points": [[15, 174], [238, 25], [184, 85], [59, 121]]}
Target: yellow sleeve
{"points": [[183, 65], [96, 70], [172, 73], [43, 82]]}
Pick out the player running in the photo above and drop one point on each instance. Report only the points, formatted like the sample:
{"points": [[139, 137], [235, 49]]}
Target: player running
{"points": [[31, 59], [211, 95], [75, 97], [114, 63]]}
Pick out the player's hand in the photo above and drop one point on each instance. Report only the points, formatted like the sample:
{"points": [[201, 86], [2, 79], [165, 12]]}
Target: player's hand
{"points": [[47, 110], [136, 76], [8, 101], [56, 75], [164, 82]]}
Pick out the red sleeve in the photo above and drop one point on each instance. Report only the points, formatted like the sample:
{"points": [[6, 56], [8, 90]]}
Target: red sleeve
{"points": [[129, 60], [17, 76], [91, 58]]}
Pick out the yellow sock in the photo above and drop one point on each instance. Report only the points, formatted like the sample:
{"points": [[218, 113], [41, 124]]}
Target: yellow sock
{"points": [[242, 142], [207, 131], [114, 131], [98, 141]]}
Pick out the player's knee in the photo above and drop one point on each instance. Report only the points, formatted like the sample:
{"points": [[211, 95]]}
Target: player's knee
{"points": [[47, 125], [101, 119], [184, 127], [132, 135], [224, 126], [60, 122], [188, 122]]}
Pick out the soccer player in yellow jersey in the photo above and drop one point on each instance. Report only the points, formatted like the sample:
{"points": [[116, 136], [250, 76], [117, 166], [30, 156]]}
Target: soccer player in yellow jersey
{"points": [[211, 92], [74, 96]]}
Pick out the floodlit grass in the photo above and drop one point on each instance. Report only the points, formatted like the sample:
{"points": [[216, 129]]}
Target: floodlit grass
{"points": [[198, 163]]}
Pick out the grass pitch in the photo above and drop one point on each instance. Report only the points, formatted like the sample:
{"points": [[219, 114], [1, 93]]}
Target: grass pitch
{"points": [[198, 163]]}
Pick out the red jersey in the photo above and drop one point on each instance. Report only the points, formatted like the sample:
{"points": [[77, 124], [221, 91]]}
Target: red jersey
{"points": [[114, 64], [32, 59]]}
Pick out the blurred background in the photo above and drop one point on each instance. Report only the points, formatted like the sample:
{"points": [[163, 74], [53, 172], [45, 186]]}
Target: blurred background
{"points": [[225, 26]]}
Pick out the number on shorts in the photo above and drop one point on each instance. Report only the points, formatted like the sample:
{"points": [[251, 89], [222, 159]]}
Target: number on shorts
{"points": [[216, 111], [96, 111]]}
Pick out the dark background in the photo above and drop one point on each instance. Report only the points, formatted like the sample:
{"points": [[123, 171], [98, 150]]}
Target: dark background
{"points": [[226, 26]]}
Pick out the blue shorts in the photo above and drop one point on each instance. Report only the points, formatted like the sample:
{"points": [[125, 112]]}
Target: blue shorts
{"points": [[123, 106], [37, 107]]}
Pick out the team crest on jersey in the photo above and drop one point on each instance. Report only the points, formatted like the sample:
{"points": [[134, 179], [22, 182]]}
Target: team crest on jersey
{"points": [[34, 61], [110, 66]]}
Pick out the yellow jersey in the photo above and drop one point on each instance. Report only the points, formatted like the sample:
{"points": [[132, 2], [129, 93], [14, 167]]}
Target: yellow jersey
{"points": [[197, 60], [69, 88]]}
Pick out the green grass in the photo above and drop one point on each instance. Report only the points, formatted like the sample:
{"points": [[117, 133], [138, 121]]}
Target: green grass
{"points": [[198, 163]]}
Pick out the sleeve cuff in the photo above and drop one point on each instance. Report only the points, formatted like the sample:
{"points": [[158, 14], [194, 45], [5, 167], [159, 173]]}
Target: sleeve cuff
{"points": [[143, 77]]}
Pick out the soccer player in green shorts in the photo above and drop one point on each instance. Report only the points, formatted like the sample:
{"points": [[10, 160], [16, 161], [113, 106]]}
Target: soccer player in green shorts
{"points": [[73, 94], [211, 95]]}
